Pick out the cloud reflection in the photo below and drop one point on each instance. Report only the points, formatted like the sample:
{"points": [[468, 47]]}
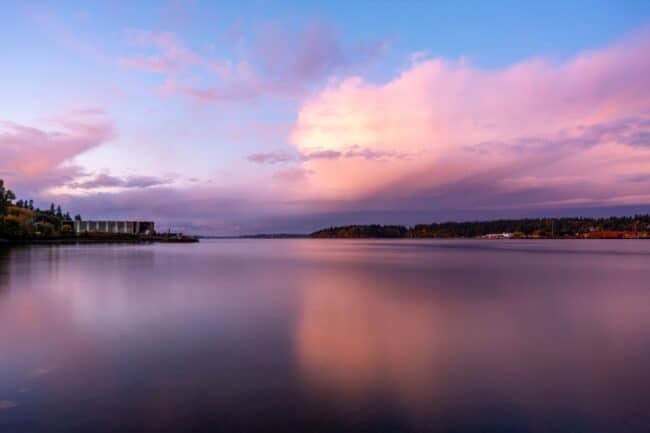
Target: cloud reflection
{"points": [[435, 340]]}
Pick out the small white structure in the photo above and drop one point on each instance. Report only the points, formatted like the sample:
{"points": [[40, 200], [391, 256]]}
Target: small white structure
{"points": [[498, 236], [126, 227]]}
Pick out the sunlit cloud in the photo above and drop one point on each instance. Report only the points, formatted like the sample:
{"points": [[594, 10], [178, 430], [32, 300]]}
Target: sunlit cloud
{"points": [[445, 126], [38, 158]]}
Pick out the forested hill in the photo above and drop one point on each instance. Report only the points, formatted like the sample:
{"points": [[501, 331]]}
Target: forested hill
{"points": [[19, 219], [362, 231], [614, 227]]}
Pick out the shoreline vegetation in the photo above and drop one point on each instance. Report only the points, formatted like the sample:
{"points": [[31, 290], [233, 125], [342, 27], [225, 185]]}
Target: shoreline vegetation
{"points": [[635, 227], [22, 223]]}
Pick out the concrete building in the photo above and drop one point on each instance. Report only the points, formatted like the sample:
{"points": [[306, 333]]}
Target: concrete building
{"points": [[126, 227]]}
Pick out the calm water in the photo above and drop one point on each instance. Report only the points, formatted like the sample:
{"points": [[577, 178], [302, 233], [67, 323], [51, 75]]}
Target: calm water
{"points": [[326, 336]]}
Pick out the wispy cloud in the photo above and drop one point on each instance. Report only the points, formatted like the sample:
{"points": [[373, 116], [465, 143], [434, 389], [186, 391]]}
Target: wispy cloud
{"points": [[35, 158], [108, 181], [270, 158], [280, 63], [353, 152], [60, 31], [170, 55]]}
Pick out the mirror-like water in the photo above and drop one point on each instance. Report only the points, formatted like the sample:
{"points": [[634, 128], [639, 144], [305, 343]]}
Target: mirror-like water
{"points": [[326, 336]]}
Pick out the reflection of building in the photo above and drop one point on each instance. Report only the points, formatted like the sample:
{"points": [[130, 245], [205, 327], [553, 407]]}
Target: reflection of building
{"points": [[127, 227]]}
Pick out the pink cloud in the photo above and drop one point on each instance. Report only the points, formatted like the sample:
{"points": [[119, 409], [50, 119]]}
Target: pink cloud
{"points": [[234, 92], [291, 175], [34, 158], [171, 55], [281, 64], [577, 128]]}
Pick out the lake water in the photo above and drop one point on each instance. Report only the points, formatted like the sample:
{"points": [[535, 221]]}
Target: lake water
{"points": [[326, 336]]}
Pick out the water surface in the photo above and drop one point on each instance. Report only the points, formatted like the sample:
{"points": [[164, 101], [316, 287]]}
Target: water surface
{"points": [[326, 336]]}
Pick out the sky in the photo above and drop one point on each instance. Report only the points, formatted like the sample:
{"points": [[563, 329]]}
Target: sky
{"points": [[245, 117]]}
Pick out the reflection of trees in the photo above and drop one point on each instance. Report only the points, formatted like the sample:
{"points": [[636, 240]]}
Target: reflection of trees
{"points": [[5, 257]]}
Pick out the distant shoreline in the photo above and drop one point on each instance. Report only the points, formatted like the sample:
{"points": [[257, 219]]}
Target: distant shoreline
{"points": [[632, 227], [625, 227], [75, 241], [635, 227]]}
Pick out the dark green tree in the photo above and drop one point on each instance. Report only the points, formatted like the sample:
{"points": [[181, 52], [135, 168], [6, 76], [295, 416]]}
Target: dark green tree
{"points": [[3, 206], [6, 197]]}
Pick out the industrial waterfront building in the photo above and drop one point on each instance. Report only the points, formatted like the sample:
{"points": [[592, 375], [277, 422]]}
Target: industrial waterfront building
{"points": [[125, 227]]}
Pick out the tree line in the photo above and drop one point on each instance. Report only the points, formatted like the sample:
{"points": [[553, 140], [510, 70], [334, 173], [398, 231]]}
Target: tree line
{"points": [[530, 227], [19, 219]]}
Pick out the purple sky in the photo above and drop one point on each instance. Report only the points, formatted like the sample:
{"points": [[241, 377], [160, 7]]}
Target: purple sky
{"points": [[287, 117]]}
